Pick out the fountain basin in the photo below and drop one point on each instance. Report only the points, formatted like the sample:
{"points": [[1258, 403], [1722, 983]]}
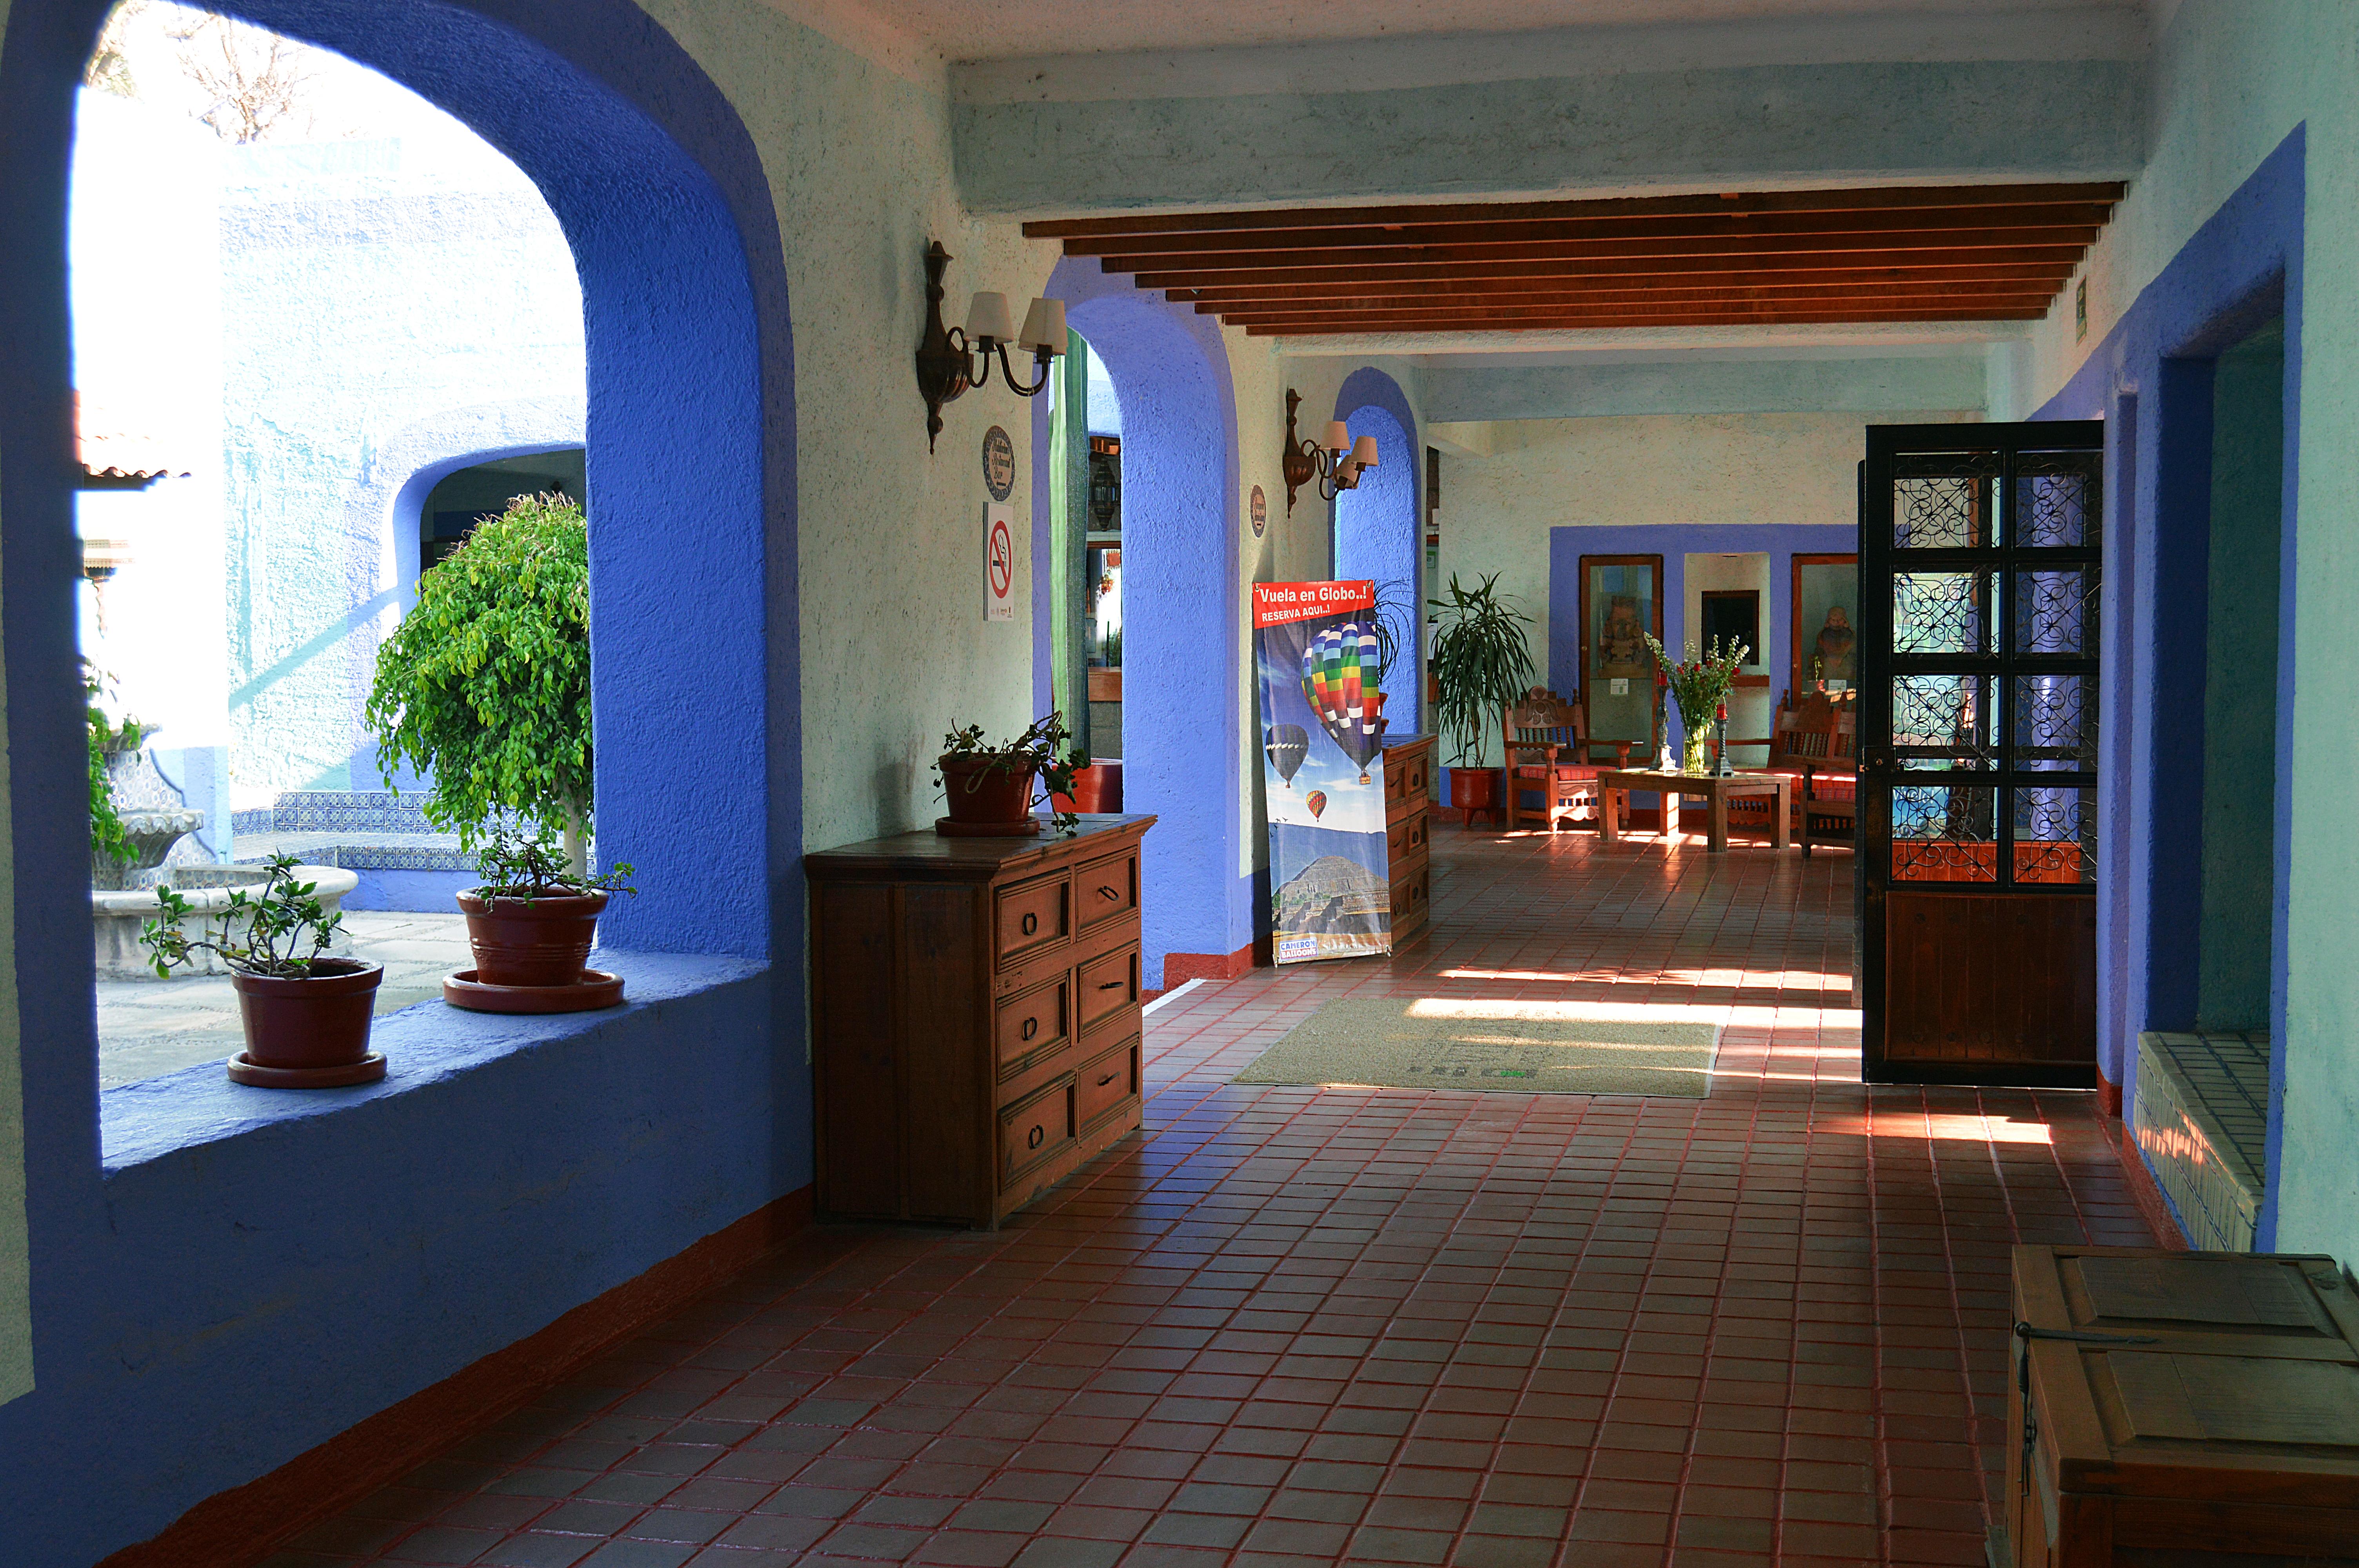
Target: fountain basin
{"points": [[116, 917]]}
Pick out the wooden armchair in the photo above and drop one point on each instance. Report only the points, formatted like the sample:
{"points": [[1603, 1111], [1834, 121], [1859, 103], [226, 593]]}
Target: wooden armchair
{"points": [[1547, 752], [1815, 744]]}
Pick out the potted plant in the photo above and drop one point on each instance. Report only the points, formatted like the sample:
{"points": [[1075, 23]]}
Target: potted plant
{"points": [[485, 684], [1699, 685], [990, 787], [1481, 663], [306, 1014]]}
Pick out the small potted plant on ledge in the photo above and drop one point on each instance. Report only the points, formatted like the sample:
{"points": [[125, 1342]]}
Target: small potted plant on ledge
{"points": [[1482, 664], [991, 786], [531, 926], [306, 1013]]}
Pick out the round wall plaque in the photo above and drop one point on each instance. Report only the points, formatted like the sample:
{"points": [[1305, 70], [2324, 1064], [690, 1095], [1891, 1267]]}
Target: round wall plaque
{"points": [[998, 463], [1260, 512]]}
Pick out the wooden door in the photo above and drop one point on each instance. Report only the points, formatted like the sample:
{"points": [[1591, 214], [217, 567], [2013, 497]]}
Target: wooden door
{"points": [[1979, 551]]}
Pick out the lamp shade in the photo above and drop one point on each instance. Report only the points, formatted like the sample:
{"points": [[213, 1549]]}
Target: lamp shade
{"points": [[1044, 327], [1363, 452], [1339, 439], [988, 317]]}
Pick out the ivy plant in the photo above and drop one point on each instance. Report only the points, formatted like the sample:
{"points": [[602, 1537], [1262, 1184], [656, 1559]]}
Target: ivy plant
{"points": [[106, 742], [486, 683]]}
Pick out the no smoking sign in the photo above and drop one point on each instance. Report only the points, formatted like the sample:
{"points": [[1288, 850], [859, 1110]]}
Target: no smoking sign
{"points": [[998, 563]]}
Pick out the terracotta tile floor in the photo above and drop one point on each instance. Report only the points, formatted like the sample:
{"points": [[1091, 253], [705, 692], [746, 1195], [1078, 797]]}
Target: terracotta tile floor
{"points": [[1291, 1327]]}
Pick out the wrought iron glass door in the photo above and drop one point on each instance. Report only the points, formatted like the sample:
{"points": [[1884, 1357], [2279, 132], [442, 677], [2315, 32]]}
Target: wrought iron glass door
{"points": [[1980, 554]]}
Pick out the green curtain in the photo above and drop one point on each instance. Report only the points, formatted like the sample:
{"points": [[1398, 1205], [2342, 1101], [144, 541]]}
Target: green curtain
{"points": [[1068, 510]]}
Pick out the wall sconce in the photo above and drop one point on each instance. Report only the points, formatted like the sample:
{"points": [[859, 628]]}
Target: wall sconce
{"points": [[950, 360], [1336, 466]]}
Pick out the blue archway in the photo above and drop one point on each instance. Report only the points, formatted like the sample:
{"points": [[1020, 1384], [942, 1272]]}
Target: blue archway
{"points": [[664, 201], [1183, 631], [1378, 528]]}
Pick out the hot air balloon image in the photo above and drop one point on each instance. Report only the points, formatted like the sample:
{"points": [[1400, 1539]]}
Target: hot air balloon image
{"points": [[1286, 745], [1317, 803], [1338, 677]]}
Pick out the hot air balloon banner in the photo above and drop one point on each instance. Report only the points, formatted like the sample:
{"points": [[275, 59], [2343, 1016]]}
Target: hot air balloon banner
{"points": [[1323, 732], [1340, 670]]}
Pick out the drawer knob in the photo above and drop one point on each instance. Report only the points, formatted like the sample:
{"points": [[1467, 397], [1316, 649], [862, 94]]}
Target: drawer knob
{"points": [[1105, 891], [1031, 923], [1104, 1081], [1113, 986], [1032, 1138], [1031, 1027]]}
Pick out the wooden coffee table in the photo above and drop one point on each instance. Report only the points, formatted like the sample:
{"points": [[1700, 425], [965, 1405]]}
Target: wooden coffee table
{"points": [[1614, 784]]}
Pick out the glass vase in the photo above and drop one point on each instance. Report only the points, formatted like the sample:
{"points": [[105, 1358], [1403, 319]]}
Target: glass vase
{"points": [[1695, 750]]}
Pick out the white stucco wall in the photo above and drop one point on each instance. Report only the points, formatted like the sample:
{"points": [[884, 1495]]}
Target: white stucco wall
{"points": [[2231, 80], [368, 288], [1639, 470], [894, 649]]}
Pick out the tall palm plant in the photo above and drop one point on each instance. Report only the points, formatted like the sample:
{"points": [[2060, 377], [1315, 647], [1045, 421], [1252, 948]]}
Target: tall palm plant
{"points": [[1481, 661]]}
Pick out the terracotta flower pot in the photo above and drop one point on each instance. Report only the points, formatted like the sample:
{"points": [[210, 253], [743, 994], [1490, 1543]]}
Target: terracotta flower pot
{"points": [[540, 940], [1096, 788], [983, 795], [1473, 789], [312, 1025]]}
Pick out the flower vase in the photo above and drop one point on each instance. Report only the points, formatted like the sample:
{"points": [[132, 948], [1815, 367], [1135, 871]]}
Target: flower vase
{"points": [[1695, 751]]}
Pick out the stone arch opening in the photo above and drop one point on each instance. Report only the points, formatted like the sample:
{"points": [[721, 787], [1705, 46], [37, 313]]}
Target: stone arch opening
{"points": [[1378, 533], [1182, 642]]}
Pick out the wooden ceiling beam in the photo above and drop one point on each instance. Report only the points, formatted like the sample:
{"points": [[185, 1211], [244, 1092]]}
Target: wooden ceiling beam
{"points": [[1736, 286], [2055, 261], [1849, 250], [2064, 221], [1379, 312], [1359, 326], [1866, 199]]}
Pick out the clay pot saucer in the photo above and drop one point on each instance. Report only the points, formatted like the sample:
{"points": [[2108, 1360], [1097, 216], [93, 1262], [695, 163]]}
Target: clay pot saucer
{"points": [[950, 828], [368, 1070], [595, 989]]}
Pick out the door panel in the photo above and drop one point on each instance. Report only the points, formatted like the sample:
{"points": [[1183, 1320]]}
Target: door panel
{"points": [[1980, 558]]}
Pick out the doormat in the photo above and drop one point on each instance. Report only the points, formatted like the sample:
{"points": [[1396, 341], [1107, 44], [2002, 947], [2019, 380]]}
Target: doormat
{"points": [[1515, 1047]]}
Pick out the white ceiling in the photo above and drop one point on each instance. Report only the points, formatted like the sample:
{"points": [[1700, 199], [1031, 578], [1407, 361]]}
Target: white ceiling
{"points": [[993, 29]]}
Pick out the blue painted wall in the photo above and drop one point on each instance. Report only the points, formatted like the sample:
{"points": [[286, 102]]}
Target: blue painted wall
{"points": [[1781, 543], [198, 1316], [1182, 607], [1379, 527], [2154, 372]]}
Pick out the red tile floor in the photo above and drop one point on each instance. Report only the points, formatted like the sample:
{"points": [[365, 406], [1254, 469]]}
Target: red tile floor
{"points": [[1289, 1327]]}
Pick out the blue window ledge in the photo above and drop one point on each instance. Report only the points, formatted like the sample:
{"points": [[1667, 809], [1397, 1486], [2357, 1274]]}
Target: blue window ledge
{"points": [[426, 1047]]}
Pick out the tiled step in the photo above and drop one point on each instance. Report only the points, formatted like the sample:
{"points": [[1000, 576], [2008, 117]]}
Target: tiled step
{"points": [[2201, 1121]]}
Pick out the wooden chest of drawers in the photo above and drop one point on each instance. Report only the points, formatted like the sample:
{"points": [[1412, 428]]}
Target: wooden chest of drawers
{"points": [[1409, 812], [975, 1017], [2173, 1409]]}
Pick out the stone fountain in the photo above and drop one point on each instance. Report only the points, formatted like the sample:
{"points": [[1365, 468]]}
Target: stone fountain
{"points": [[156, 819]]}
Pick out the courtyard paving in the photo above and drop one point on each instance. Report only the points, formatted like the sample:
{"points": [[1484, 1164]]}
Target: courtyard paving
{"points": [[148, 1028]]}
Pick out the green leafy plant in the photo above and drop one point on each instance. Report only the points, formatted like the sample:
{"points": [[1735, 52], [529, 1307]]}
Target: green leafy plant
{"points": [[526, 866], [1482, 661], [278, 930], [1045, 749], [1699, 683], [107, 742], [486, 683], [1395, 612]]}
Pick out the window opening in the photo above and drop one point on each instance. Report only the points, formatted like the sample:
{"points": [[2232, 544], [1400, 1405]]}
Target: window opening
{"points": [[291, 276]]}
